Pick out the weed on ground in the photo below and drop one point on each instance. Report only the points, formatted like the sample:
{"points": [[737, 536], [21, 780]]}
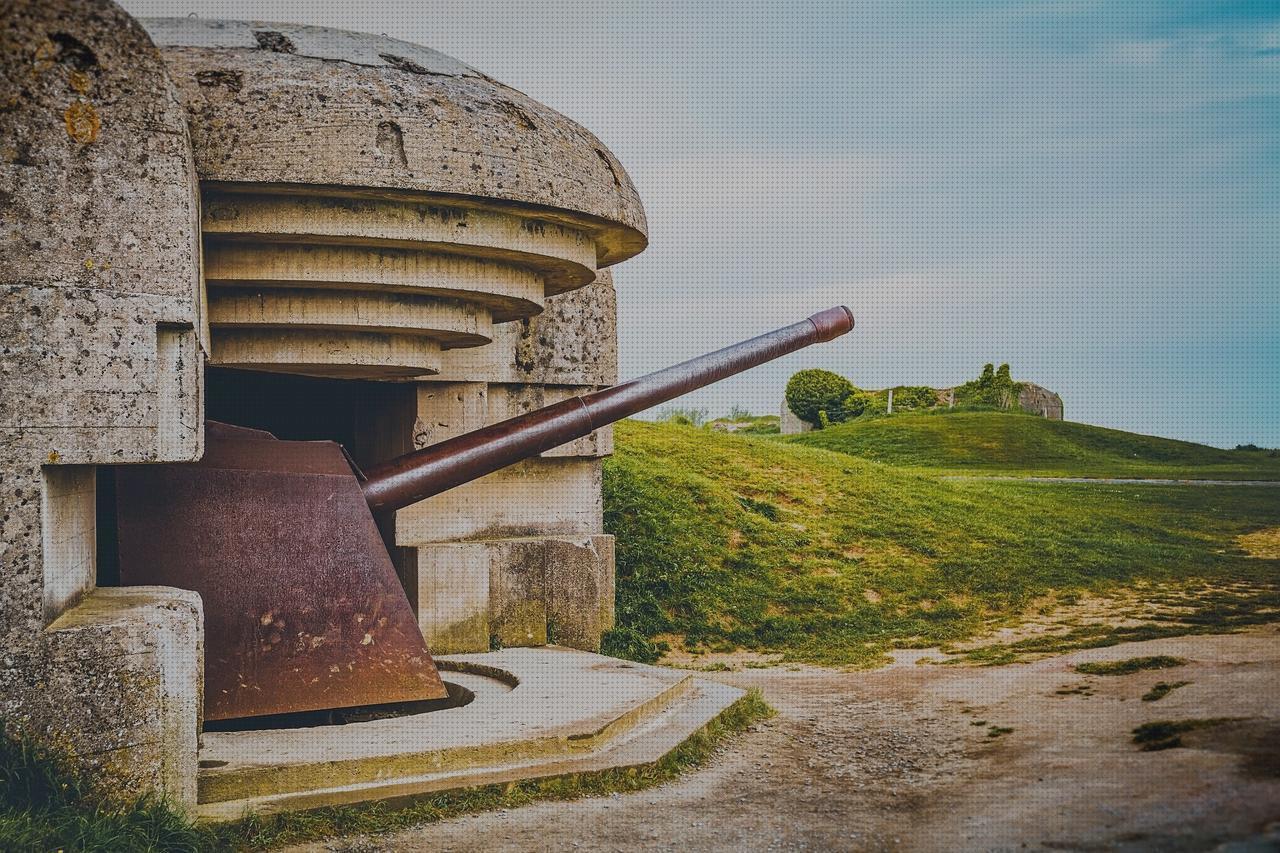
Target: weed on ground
{"points": [[46, 804], [1129, 666], [1167, 734], [1162, 689]]}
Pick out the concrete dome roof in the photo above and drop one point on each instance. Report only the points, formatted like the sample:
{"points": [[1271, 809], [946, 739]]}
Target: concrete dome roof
{"points": [[297, 106]]}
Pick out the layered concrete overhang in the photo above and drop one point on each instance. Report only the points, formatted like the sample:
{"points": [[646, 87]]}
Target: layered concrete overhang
{"points": [[370, 204]]}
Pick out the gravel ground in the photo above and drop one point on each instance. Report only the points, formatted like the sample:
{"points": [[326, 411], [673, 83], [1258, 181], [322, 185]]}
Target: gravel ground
{"points": [[927, 757]]}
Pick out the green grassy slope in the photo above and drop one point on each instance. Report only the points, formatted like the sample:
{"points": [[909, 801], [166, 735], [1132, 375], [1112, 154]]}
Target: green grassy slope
{"points": [[754, 543], [997, 442]]}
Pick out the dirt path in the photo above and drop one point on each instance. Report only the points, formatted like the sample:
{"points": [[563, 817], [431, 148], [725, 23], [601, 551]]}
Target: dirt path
{"points": [[906, 757], [1114, 481]]}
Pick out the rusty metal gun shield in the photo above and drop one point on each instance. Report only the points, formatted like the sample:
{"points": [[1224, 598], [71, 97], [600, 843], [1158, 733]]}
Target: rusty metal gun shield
{"points": [[303, 609]]}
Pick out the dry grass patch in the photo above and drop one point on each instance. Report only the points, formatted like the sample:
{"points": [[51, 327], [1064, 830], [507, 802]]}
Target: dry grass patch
{"points": [[1264, 544]]}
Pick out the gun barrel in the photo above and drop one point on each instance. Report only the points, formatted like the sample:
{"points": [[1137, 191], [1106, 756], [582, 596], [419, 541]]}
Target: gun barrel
{"points": [[415, 476]]}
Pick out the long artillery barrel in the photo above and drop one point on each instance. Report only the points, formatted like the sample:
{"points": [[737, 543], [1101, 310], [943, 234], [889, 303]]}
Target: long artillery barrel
{"points": [[415, 476]]}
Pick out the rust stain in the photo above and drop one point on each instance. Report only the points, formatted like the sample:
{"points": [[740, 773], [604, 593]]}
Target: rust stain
{"points": [[82, 122]]}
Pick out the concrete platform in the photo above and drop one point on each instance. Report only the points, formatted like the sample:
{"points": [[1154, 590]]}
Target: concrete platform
{"points": [[537, 713]]}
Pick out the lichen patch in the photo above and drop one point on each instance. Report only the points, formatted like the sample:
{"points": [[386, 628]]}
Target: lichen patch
{"points": [[82, 122]]}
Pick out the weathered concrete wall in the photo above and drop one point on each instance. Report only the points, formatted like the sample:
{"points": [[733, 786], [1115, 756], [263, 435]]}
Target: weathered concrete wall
{"points": [[430, 204], [398, 117], [101, 329], [519, 557], [516, 592], [789, 423], [573, 342], [1041, 401]]}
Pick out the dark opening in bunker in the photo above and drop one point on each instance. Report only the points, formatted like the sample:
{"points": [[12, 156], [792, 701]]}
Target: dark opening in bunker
{"points": [[372, 420]]}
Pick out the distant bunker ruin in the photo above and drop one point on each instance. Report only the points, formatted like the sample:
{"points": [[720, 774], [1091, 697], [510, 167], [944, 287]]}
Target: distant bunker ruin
{"points": [[248, 249], [1032, 399]]}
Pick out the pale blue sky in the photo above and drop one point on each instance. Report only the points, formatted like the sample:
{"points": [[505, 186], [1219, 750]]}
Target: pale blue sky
{"points": [[1087, 190]]}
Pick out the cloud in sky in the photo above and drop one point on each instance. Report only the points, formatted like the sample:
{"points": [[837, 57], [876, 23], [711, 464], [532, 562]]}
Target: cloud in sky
{"points": [[1088, 190]]}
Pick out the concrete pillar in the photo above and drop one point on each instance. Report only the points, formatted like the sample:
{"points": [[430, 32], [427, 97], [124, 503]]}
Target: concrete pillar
{"points": [[101, 327], [519, 557]]}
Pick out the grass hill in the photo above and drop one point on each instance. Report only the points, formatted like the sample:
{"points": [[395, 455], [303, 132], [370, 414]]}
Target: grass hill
{"points": [[730, 542], [1003, 443]]}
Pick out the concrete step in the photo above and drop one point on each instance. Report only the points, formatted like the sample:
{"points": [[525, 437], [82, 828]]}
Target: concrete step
{"points": [[570, 712]]}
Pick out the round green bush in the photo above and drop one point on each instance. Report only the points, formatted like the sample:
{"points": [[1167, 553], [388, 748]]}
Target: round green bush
{"points": [[811, 392], [861, 403]]}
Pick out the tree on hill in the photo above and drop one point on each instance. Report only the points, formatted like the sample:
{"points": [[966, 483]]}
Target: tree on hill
{"points": [[994, 387], [817, 396]]}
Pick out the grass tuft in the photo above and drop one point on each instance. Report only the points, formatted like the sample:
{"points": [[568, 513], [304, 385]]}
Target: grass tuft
{"points": [[1129, 665], [1162, 689], [46, 804], [1167, 734]]}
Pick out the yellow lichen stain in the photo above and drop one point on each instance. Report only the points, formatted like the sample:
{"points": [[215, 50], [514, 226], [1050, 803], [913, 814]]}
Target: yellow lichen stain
{"points": [[54, 456], [82, 122], [79, 81], [89, 264]]}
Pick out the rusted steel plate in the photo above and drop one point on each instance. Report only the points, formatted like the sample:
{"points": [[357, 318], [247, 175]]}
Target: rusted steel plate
{"points": [[303, 609]]}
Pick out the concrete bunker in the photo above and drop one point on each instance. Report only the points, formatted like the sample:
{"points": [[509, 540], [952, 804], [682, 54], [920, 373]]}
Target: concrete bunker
{"points": [[237, 276]]}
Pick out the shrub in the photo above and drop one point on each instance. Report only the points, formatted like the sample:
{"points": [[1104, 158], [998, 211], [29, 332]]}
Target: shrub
{"points": [[813, 393], [993, 388], [861, 403], [909, 397]]}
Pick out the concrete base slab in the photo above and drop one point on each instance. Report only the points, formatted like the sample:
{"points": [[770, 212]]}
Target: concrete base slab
{"points": [[537, 713]]}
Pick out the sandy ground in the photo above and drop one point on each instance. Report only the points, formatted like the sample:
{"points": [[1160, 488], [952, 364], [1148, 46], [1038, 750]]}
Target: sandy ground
{"points": [[905, 757]]}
